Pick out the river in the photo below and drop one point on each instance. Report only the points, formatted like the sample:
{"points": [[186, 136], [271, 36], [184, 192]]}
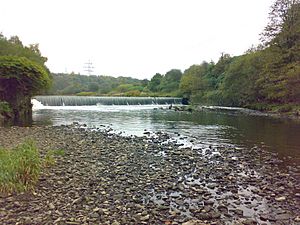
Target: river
{"points": [[213, 127]]}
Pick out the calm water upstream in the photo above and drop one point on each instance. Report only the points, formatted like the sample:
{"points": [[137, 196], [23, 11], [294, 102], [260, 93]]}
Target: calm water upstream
{"points": [[203, 128]]}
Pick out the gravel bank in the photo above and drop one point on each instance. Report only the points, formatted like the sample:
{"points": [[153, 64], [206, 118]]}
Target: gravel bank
{"points": [[107, 179]]}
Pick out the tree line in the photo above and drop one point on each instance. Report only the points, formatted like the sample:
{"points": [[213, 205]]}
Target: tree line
{"points": [[76, 84], [264, 76]]}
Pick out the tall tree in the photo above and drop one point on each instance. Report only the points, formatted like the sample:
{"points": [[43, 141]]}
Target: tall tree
{"points": [[239, 86], [154, 83], [281, 75], [193, 81], [170, 82], [282, 19]]}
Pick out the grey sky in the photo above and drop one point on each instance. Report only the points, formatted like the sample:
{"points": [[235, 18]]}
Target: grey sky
{"points": [[134, 37]]}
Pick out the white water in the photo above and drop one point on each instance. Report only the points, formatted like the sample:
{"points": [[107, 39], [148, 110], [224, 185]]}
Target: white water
{"points": [[100, 108], [95, 100]]}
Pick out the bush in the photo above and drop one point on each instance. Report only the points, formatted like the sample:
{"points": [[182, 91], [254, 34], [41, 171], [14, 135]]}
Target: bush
{"points": [[85, 93], [19, 167], [30, 76], [4, 107]]}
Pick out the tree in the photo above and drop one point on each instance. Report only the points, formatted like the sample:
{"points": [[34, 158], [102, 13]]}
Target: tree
{"points": [[239, 87], [280, 78], [193, 81], [15, 40], [93, 87], [20, 79], [170, 82], [283, 19], [154, 83], [22, 74]]}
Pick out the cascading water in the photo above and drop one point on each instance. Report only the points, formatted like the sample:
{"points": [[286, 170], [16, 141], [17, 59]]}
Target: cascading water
{"points": [[83, 100]]}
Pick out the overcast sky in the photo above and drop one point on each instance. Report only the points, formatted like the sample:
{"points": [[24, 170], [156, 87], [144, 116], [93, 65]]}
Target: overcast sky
{"points": [[135, 38]]}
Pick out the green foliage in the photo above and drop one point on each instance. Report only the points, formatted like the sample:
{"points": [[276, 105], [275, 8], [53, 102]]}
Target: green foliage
{"points": [[74, 84], [193, 80], [170, 82], [14, 47], [86, 93], [49, 159], [154, 83], [239, 87], [165, 85], [30, 76], [22, 74], [264, 78], [132, 93], [19, 167], [4, 107], [93, 87], [280, 77]]}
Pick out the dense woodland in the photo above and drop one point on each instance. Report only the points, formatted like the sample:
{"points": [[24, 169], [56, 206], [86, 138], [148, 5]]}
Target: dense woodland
{"points": [[75, 84], [264, 77]]}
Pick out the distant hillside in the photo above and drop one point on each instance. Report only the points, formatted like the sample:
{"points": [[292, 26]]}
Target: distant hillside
{"points": [[74, 84]]}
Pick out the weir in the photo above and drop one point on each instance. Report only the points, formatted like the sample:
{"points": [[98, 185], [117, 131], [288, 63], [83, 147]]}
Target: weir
{"points": [[93, 100]]}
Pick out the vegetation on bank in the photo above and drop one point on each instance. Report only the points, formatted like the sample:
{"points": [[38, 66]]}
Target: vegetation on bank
{"points": [[266, 77], [22, 74], [75, 84], [20, 167]]}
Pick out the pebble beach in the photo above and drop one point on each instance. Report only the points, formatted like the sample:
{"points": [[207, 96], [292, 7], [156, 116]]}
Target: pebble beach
{"points": [[105, 178]]}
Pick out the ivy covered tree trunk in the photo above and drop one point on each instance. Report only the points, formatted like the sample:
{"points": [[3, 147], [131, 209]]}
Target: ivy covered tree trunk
{"points": [[20, 79], [20, 112]]}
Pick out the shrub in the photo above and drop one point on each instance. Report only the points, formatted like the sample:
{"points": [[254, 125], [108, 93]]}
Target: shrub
{"points": [[19, 167], [4, 107], [85, 93]]}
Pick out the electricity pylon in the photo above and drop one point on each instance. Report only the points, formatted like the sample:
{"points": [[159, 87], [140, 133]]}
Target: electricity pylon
{"points": [[88, 67]]}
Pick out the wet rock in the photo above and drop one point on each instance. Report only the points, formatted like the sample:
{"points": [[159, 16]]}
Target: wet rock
{"points": [[115, 223], [267, 217], [193, 222], [279, 199], [249, 222], [95, 215], [51, 206], [108, 179], [145, 218], [284, 216], [204, 216]]}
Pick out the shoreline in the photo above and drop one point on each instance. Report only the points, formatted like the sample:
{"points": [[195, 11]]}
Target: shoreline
{"points": [[244, 110], [105, 178]]}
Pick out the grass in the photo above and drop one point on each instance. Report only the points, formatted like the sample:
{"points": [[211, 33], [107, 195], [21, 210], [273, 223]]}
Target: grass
{"points": [[49, 159], [20, 167]]}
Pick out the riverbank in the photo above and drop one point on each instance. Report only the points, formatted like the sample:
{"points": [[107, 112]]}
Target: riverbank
{"points": [[277, 112], [106, 179]]}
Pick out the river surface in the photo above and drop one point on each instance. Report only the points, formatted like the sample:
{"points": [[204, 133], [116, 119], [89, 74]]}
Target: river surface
{"points": [[197, 129]]}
